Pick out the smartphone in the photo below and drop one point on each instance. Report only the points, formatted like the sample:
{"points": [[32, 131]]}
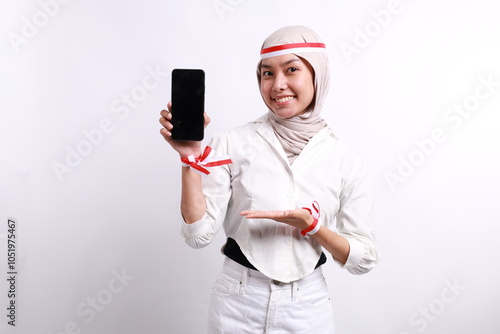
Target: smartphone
{"points": [[188, 104]]}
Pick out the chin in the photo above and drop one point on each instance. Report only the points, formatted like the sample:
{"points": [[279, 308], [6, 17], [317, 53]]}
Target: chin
{"points": [[284, 114]]}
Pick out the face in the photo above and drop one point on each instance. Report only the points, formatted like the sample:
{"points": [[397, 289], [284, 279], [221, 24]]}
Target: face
{"points": [[287, 85]]}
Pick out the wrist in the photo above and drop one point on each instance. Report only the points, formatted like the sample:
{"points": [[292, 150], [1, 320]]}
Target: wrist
{"points": [[201, 161], [309, 222], [315, 225], [195, 153], [312, 229]]}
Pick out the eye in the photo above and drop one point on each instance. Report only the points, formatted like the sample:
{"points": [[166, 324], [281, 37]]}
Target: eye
{"points": [[267, 73], [293, 69]]}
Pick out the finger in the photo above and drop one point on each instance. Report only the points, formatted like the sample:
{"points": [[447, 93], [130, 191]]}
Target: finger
{"points": [[252, 214], [166, 124], [263, 214], [166, 134], [167, 113], [246, 212], [164, 113]]}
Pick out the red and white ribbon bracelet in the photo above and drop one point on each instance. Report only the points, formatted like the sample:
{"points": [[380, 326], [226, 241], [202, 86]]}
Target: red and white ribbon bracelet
{"points": [[315, 226], [205, 160]]}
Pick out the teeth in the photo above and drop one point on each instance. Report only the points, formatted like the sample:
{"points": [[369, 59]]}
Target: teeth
{"points": [[285, 99]]}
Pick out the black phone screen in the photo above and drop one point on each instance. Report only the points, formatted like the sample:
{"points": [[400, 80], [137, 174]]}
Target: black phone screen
{"points": [[188, 104]]}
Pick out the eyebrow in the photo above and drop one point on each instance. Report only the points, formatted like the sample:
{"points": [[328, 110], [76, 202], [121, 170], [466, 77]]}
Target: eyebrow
{"points": [[283, 64]]}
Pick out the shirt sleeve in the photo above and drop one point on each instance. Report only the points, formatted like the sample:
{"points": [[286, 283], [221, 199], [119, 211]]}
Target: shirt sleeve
{"points": [[217, 192], [354, 217]]}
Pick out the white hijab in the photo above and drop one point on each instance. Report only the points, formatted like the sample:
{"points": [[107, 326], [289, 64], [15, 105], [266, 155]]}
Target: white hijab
{"points": [[295, 132]]}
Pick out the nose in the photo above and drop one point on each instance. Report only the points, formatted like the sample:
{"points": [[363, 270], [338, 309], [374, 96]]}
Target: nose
{"points": [[279, 83]]}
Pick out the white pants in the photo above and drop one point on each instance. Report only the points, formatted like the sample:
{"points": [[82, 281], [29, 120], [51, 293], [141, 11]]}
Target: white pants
{"points": [[245, 301]]}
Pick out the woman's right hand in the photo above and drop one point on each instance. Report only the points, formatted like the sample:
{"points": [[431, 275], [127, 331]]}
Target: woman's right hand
{"points": [[193, 204], [183, 147]]}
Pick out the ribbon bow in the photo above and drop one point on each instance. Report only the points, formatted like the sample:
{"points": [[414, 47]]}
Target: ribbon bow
{"points": [[205, 160]]}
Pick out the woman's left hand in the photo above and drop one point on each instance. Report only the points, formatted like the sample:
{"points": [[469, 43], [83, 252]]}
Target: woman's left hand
{"points": [[336, 244], [299, 218]]}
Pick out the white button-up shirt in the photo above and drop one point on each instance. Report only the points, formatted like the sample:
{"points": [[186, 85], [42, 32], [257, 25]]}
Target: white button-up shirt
{"points": [[260, 178]]}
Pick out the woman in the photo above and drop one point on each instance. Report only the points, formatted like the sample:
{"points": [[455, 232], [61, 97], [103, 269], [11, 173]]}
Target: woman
{"points": [[292, 189]]}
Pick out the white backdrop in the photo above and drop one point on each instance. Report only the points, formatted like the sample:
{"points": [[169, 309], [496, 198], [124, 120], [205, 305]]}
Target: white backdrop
{"points": [[94, 189]]}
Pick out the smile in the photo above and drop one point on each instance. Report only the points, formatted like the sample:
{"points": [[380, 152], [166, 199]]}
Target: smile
{"points": [[284, 99]]}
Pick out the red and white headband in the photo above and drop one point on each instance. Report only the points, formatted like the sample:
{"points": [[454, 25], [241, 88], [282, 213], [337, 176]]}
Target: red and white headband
{"points": [[291, 48]]}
